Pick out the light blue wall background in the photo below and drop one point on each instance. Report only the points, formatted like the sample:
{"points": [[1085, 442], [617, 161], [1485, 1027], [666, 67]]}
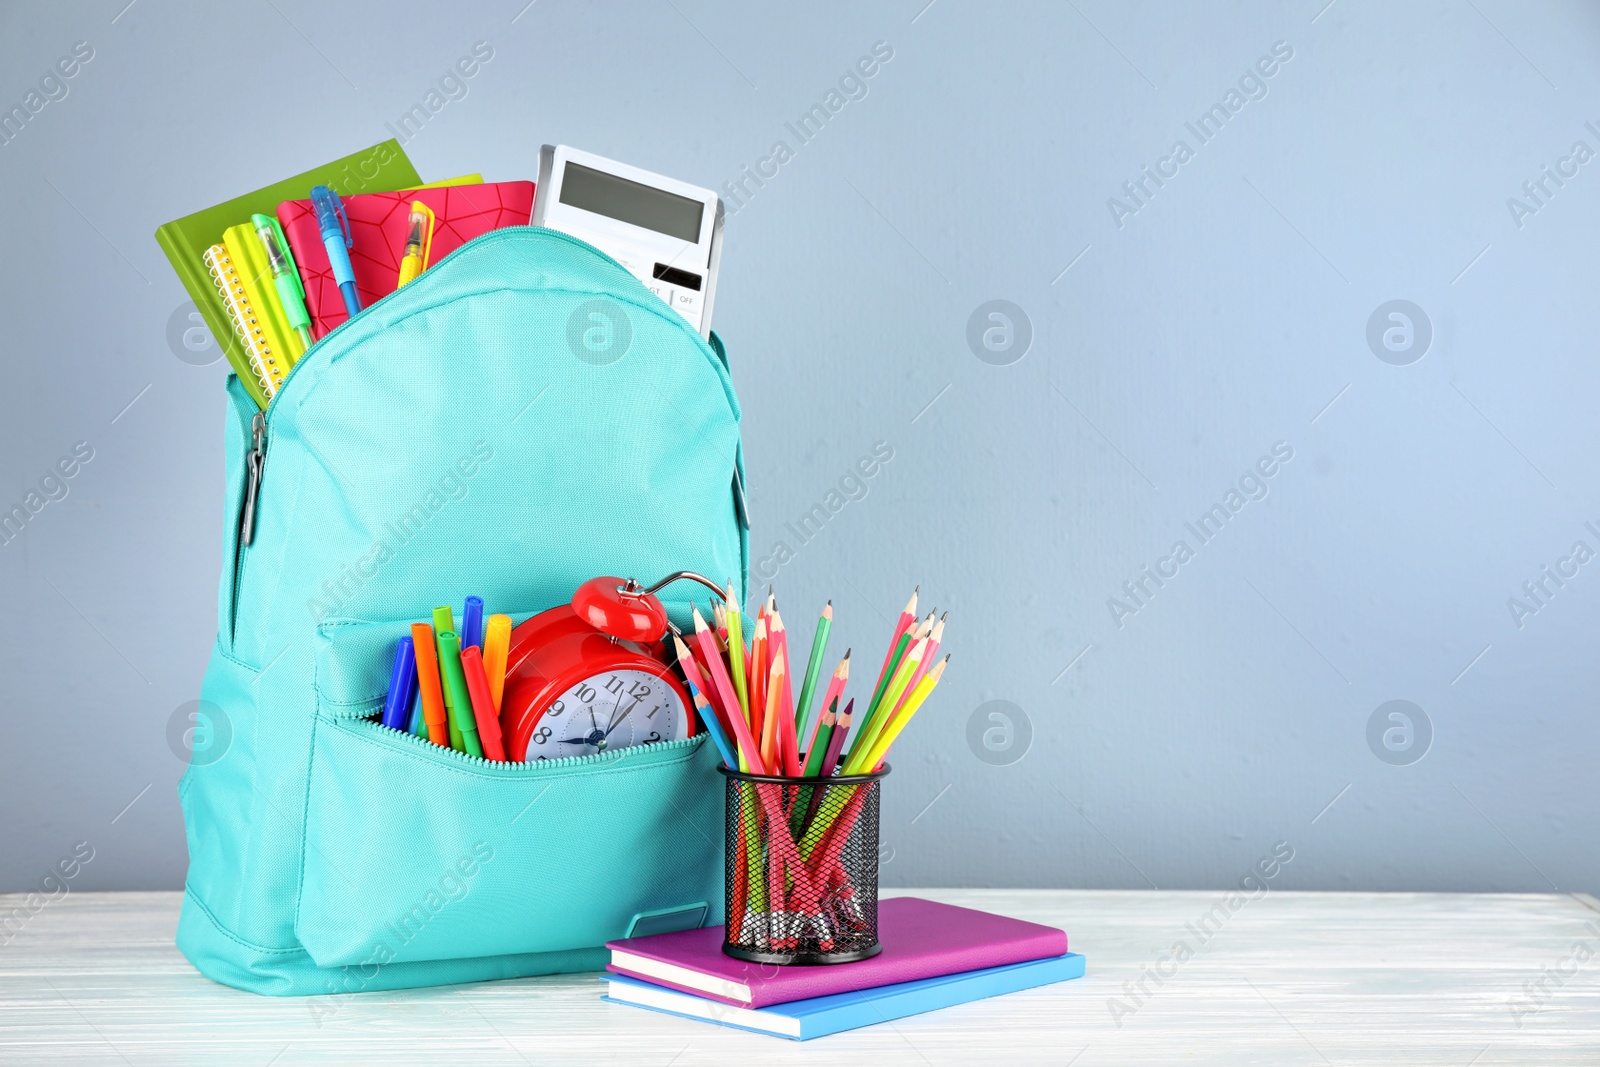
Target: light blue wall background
{"points": [[1168, 353]]}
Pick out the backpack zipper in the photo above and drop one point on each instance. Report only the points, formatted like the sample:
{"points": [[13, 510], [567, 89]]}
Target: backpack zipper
{"points": [[655, 752], [253, 463]]}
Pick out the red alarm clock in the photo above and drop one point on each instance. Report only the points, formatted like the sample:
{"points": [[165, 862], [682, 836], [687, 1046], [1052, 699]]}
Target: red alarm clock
{"points": [[594, 675]]}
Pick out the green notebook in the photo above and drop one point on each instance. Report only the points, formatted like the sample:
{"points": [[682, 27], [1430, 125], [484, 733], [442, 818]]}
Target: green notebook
{"points": [[383, 168]]}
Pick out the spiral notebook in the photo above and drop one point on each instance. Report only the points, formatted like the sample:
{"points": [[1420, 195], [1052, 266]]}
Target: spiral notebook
{"points": [[253, 359], [185, 240], [250, 259]]}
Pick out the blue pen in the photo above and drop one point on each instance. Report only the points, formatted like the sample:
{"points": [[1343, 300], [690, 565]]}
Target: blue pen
{"points": [[337, 239], [472, 623], [402, 687]]}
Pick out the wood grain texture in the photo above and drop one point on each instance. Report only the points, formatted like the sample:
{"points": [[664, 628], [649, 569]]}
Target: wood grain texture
{"points": [[1292, 978]]}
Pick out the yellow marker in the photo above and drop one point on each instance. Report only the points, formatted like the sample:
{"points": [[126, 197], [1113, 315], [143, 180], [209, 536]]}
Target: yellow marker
{"points": [[419, 242], [496, 646]]}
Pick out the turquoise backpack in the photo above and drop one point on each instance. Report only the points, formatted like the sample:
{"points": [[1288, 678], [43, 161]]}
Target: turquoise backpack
{"points": [[521, 418]]}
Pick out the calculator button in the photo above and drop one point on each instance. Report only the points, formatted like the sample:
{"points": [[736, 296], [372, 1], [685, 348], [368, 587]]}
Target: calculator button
{"points": [[686, 301]]}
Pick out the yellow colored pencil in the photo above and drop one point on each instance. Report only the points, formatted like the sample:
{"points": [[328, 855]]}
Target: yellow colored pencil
{"points": [[880, 748], [884, 711]]}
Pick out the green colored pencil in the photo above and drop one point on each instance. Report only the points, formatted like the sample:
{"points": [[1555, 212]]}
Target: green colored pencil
{"points": [[819, 648]]}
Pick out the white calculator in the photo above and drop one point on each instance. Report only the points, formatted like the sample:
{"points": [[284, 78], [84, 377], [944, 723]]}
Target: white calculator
{"points": [[666, 233]]}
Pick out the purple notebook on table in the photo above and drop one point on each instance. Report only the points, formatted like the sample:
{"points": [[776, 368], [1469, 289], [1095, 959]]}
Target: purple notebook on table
{"points": [[920, 938]]}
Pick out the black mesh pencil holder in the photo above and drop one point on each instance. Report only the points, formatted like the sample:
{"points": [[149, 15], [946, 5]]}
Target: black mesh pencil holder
{"points": [[802, 868]]}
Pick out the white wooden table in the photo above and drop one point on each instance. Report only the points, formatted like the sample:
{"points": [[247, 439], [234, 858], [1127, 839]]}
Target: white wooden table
{"points": [[1292, 978]]}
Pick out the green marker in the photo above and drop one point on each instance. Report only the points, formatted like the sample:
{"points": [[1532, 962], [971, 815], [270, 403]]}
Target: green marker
{"points": [[285, 275], [444, 623], [462, 724]]}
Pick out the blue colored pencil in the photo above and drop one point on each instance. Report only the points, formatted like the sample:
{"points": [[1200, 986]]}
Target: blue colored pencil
{"points": [[713, 727]]}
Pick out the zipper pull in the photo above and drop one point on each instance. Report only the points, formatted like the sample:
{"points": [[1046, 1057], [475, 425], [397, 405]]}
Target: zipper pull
{"points": [[253, 461]]}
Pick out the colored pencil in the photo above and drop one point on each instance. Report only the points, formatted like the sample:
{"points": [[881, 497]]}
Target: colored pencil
{"points": [[788, 737], [769, 736], [875, 756], [689, 664], [808, 688], [841, 676], [928, 656], [713, 727], [819, 747], [880, 714], [756, 668], [749, 755], [907, 617], [897, 655], [736, 650], [830, 760]]}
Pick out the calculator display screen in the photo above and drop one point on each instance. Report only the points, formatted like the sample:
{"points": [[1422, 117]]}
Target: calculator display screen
{"points": [[618, 198]]}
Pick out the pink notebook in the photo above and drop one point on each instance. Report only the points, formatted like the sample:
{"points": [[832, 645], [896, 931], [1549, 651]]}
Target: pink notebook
{"points": [[379, 223], [920, 938]]}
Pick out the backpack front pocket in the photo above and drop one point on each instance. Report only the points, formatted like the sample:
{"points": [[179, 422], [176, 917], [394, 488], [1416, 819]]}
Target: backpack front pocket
{"points": [[416, 852]]}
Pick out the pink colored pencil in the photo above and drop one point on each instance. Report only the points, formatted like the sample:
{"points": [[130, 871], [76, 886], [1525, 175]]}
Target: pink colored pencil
{"points": [[928, 660], [789, 743], [690, 666], [841, 675], [724, 687], [907, 618]]}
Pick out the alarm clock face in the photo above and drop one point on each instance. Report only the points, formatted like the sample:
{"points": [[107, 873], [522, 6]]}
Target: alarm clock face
{"points": [[615, 709]]}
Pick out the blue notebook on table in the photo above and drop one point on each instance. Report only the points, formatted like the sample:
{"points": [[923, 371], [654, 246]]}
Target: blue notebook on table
{"points": [[802, 1020]]}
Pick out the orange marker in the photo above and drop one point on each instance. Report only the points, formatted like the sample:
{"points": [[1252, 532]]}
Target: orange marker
{"points": [[433, 712]]}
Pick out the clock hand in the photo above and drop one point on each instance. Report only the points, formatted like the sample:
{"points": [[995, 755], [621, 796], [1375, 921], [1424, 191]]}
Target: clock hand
{"points": [[619, 719], [584, 740], [612, 718]]}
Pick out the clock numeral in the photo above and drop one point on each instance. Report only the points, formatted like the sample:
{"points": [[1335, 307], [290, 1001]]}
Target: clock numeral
{"points": [[653, 712], [639, 689], [556, 709], [541, 735], [614, 685], [653, 737], [585, 693]]}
